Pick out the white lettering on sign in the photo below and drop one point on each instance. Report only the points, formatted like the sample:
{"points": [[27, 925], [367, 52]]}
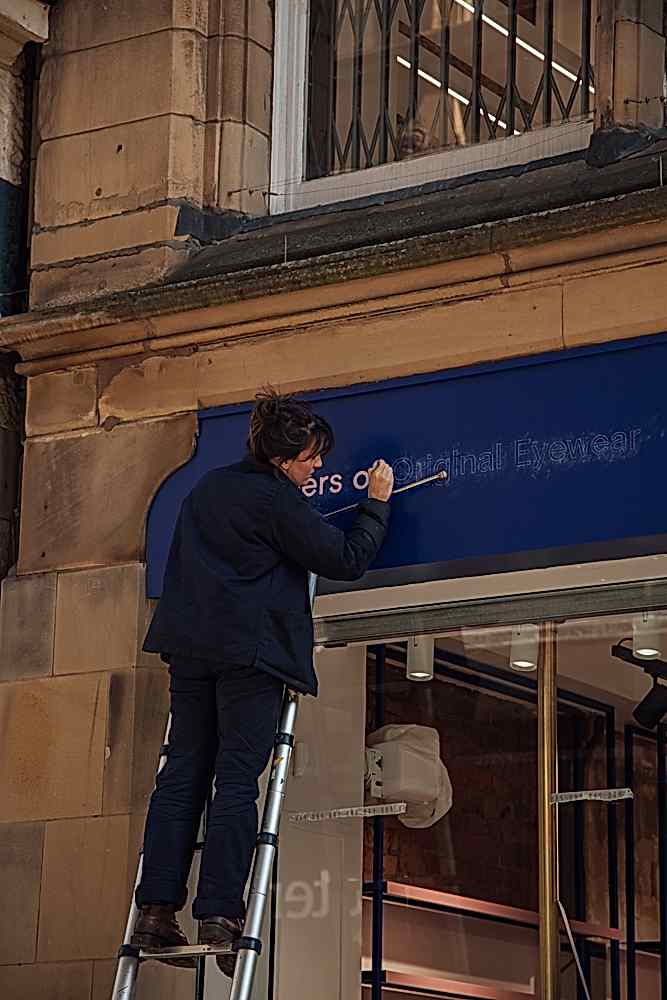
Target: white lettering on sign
{"points": [[526, 455]]}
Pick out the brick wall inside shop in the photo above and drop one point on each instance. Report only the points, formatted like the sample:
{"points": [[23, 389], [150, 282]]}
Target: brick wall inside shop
{"points": [[486, 847], [489, 746]]}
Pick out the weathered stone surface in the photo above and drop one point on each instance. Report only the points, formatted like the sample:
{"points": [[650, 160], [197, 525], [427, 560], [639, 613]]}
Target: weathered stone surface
{"points": [[85, 878], [563, 257], [600, 307], [450, 335], [211, 162], [158, 385], [86, 24], [259, 83], [138, 709], [245, 163], [55, 981], [639, 66], [119, 88], [21, 846], [119, 169], [245, 18], [52, 747], [66, 284], [87, 495], [97, 617], [27, 620], [245, 80], [342, 352], [119, 232], [62, 401], [12, 130]]}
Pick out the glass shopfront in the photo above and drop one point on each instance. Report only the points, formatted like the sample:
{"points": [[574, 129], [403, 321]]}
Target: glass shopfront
{"points": [[551, 744]]}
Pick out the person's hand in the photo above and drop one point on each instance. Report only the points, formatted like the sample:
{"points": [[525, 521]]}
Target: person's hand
{"points": [[380, 481]]}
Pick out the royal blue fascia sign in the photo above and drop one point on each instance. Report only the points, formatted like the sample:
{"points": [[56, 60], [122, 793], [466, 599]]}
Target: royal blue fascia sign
{"points": [[549, 460]]}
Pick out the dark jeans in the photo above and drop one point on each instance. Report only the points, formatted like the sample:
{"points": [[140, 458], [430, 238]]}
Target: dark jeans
{"points": [[223, 723]]}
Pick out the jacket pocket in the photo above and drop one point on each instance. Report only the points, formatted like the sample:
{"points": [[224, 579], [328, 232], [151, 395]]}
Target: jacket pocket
{"points": [[286, 640]]}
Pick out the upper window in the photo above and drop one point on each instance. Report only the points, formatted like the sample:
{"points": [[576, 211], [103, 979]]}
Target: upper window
{"points": [[374, 95], [391, 80]]}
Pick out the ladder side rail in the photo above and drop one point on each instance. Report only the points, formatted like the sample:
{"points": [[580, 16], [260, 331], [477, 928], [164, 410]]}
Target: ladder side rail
{"points": [[125, 983], [267, 841]]}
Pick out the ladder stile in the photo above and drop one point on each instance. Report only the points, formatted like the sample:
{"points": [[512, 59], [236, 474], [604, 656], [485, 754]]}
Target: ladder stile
{"points": [[246, 962], [125, 983]]}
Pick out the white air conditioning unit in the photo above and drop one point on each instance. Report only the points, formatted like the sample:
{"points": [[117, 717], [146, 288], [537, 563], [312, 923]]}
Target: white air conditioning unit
{"points": [[403, 765]]}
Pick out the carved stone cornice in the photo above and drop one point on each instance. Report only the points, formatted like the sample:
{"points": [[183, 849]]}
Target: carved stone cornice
{"points": [[614, 234], [21, 21]]}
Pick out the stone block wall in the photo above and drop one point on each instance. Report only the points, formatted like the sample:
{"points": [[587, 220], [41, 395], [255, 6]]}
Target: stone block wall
{"points": [[144, 109], [82, 709], [83, 715]]}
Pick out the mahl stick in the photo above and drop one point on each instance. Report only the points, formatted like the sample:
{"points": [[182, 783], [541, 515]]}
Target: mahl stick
{"points": [[402, 489]]}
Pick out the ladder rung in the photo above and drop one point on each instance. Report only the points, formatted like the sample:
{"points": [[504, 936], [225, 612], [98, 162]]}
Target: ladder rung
{"points": [[189, 951]]}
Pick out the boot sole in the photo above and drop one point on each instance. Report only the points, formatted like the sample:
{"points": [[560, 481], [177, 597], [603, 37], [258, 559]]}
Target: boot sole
{"points": [[225, 963], [152, 944]]}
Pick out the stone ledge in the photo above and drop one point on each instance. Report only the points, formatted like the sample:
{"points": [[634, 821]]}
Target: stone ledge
{"points": [[21, 21], [162, 317]]}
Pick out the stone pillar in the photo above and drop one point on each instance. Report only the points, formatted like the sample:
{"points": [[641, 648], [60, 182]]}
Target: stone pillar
{"points": [[82, 709], [152, 118], [121, 137], [239, 105], [21, 21]]}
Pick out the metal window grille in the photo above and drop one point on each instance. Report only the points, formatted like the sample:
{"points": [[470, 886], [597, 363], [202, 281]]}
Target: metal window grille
{"points": [[389, 79]]}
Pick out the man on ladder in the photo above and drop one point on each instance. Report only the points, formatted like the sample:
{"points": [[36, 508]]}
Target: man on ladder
{"points": [[234, 625]]}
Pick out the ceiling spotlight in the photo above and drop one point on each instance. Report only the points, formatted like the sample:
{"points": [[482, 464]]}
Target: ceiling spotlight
{"points": [[646, 637], [524, 648], [421, 652], [653, 706]]}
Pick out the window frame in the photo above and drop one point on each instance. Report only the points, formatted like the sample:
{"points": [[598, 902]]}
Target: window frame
{"points": [[290, 192]]}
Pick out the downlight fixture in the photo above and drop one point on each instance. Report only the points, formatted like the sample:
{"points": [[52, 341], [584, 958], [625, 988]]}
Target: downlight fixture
{"points": [[524, 648], [421, 653], [647, 640]]}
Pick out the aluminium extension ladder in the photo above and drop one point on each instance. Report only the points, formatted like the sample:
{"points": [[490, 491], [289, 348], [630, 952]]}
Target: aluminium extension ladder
{"points": [[248, 947]]}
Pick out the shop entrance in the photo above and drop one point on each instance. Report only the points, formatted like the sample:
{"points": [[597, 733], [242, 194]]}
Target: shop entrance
{"points": [[470, 905]]}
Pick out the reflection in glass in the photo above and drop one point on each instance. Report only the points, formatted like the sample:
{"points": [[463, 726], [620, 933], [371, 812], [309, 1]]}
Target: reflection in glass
{"points": [[610, 853], [461, 885], [389, 81]]}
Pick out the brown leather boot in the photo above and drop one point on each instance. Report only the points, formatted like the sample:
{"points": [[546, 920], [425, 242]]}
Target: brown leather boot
{"points": [[157, 928], [222, 930]]}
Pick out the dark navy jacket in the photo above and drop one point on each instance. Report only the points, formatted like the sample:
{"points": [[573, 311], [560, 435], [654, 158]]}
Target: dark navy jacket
{"points": [[236, 583]]}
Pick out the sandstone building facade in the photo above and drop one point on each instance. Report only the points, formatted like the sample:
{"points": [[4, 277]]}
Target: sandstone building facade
{"points": [[201, 222]]}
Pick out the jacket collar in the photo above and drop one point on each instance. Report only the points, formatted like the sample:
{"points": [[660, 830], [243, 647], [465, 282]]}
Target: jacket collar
{"points": [[250, 464]]}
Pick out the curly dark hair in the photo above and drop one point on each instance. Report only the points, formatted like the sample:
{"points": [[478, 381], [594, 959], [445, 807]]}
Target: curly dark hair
{"points": [[283, 427]]}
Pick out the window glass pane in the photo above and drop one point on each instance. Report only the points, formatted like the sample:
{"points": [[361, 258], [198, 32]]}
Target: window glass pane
{"points": [[393, 80], [609, 726], [469, 877]]}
